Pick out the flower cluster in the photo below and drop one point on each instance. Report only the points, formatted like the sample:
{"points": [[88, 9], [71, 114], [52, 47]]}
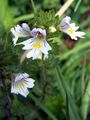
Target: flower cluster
{"points": [[37, 47]]}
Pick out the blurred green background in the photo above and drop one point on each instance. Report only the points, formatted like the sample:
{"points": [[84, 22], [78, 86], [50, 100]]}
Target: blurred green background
{"points": [[62, 87]]}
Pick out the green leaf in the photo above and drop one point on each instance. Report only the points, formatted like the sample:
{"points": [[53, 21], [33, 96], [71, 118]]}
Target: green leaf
{"points": [[6, 14], [85, 101], [73, 110], [43, 107]]}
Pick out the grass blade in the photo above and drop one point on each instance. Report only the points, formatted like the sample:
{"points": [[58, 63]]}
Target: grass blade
{"points": [[73, 111]]}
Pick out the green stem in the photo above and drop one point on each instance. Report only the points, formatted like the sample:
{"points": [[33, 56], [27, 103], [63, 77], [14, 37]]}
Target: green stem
{"points": [[24, 17], [44, 77], [76, 7]]}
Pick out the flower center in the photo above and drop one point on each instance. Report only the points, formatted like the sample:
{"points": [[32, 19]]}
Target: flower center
{"points": [[37, 45], [40, 37], [71, 31], [20, 84]]}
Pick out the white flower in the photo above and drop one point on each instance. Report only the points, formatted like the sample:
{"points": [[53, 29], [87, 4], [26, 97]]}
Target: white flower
{"points": [[37, 45], [70, 28], [20, 31], [20, 83]]}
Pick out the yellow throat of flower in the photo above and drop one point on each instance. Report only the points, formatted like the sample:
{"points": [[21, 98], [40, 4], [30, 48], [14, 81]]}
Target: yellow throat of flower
{"points": [[71, 31], [20, 84], [40, 37], [37, 45]]}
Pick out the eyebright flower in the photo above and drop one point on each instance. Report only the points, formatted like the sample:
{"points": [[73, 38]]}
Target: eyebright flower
{"points": [[20, 83], [70, 28], [36, 46], [20, 31]]}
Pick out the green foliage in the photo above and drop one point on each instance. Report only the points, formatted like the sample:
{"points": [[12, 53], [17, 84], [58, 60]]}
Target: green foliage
{"points": [[85, 101], [62, 86], [55, 104], [46, 19], [6, 15], [51, 4]]}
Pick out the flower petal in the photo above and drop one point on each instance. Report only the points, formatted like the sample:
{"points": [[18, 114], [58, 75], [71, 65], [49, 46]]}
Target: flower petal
{"points": [[47, 45], [65, 23], [23, 91], [34, 32], [13, 89], [31, 53], [15, 40], [29, 83], [79, 34], [25, 75], [72, 25], [45, 56], [26, 28], [35, 54]]}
